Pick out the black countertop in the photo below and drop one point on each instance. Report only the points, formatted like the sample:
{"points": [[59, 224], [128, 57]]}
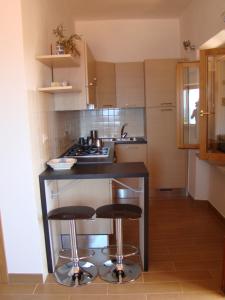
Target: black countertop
{"points": [[92, 171]]}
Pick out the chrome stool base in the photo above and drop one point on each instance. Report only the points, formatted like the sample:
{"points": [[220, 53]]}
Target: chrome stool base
{"points": [[65, 275], [128, 271]]}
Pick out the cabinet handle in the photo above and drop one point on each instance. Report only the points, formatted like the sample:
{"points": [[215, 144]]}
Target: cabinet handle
{"points": [[107, 105], [166, 109], [202, 113], [166, 103], [132, 148]]}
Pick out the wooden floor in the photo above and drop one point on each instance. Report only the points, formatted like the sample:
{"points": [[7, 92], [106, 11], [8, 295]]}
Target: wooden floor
{"points": [[185, 263]]}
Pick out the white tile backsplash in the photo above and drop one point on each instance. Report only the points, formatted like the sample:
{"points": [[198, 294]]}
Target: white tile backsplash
{"points": [[108, 122]]}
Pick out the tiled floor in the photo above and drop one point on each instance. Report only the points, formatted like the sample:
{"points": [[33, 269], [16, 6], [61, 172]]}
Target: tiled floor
{"points": [[185, 260]]}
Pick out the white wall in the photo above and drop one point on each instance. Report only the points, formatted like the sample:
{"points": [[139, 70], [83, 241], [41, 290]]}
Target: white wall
{"points": [[26, 118], [200, 22], [131, 40], [217, 189], [18, 209]]}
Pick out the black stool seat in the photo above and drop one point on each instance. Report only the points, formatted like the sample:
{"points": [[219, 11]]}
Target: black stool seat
{"points": [[71, 213], [119, 211]]}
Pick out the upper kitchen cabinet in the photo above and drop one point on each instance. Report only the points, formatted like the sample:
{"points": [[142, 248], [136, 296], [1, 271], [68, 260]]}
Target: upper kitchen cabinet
{"points": [[59, 61], [212, 105], [188, 105], [106, 84], [130, 84], [160, 82], [72, 78], [91, 79]]}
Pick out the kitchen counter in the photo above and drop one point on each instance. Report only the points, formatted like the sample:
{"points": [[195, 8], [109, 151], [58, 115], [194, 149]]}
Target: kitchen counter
{"points": [[98, 172], [92, 171]]}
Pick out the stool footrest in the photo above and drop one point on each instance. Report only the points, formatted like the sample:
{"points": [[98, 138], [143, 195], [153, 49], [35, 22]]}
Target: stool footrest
{"points": [[69, 257], [132, 248]]}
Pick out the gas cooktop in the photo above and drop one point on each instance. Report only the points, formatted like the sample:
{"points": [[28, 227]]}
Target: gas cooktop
{"points": [[84, 151]]}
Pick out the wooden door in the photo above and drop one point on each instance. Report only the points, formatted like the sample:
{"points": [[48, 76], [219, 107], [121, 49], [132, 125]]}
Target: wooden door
{"points": [[212, 105], [188, 105], [3, 266]]}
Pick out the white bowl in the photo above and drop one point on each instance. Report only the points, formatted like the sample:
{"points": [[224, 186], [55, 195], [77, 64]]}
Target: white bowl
{"points": [[62, 163]]}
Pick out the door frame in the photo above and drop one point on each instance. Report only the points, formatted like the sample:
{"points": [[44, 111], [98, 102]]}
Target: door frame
{"points": [[3, 265]]}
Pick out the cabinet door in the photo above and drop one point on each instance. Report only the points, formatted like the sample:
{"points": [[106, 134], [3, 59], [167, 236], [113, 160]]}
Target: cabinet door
{"points": [[160, 82], [188, 105], [212, 105], [77, 192], [106, 84], [130, 84], [167, 165], [131, 153], [91, 79]]}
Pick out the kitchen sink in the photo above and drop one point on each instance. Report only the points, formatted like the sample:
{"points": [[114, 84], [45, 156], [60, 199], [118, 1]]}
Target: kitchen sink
{"points": [[126, 139]]}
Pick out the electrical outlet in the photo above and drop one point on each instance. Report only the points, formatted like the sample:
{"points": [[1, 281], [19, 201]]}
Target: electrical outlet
{"points": [[44, 138]]}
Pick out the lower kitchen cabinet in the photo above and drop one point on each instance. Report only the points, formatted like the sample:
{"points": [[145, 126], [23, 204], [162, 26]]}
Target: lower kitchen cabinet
{"points": [[78, 192], [167, 165], [131, 153]]}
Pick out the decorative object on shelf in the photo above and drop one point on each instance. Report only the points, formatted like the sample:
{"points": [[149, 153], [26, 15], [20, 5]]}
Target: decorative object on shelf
{"points": [[65, 45], [55, 83], [188, 45]]}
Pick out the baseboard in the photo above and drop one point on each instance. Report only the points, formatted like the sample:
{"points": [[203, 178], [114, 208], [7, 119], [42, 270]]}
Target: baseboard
{"points": [[25, 278], [218, 214]]}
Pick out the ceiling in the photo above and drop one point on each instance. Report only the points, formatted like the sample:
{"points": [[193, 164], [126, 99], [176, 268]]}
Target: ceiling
{"points": [[127, 9]]}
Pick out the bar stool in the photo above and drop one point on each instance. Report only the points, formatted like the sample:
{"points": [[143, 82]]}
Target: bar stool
{"points": [[119, 270], [76, 272]]}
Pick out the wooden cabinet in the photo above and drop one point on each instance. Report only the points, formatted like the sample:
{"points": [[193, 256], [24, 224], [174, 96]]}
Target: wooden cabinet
{"points": [[59, 61], [212, 105], [131, 153], [77, 192], [160, 82], [130, 84], [166, 164], [78, 71], [91, 80], [188, 105], [106, 84]]}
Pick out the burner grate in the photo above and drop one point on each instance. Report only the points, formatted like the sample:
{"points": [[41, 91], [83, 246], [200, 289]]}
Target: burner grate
{"points": [[87, 151]]}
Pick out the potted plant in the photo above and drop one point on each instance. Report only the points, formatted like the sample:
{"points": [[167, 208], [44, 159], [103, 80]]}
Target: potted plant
{"points": [[65, 45]]}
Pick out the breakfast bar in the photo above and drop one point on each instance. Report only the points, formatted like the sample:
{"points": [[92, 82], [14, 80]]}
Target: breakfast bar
{"points": [[95, 172]]}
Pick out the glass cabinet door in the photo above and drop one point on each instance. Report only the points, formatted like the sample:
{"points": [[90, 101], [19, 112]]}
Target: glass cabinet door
{"points": [[212, 105], [188, 105]]}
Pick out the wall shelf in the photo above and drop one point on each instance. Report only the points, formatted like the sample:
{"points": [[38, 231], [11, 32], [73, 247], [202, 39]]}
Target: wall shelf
{"points": [[59, 89], [59, 61]]}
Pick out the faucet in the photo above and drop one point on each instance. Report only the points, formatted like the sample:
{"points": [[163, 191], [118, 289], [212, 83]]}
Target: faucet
{"points": [[122, 133]]}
